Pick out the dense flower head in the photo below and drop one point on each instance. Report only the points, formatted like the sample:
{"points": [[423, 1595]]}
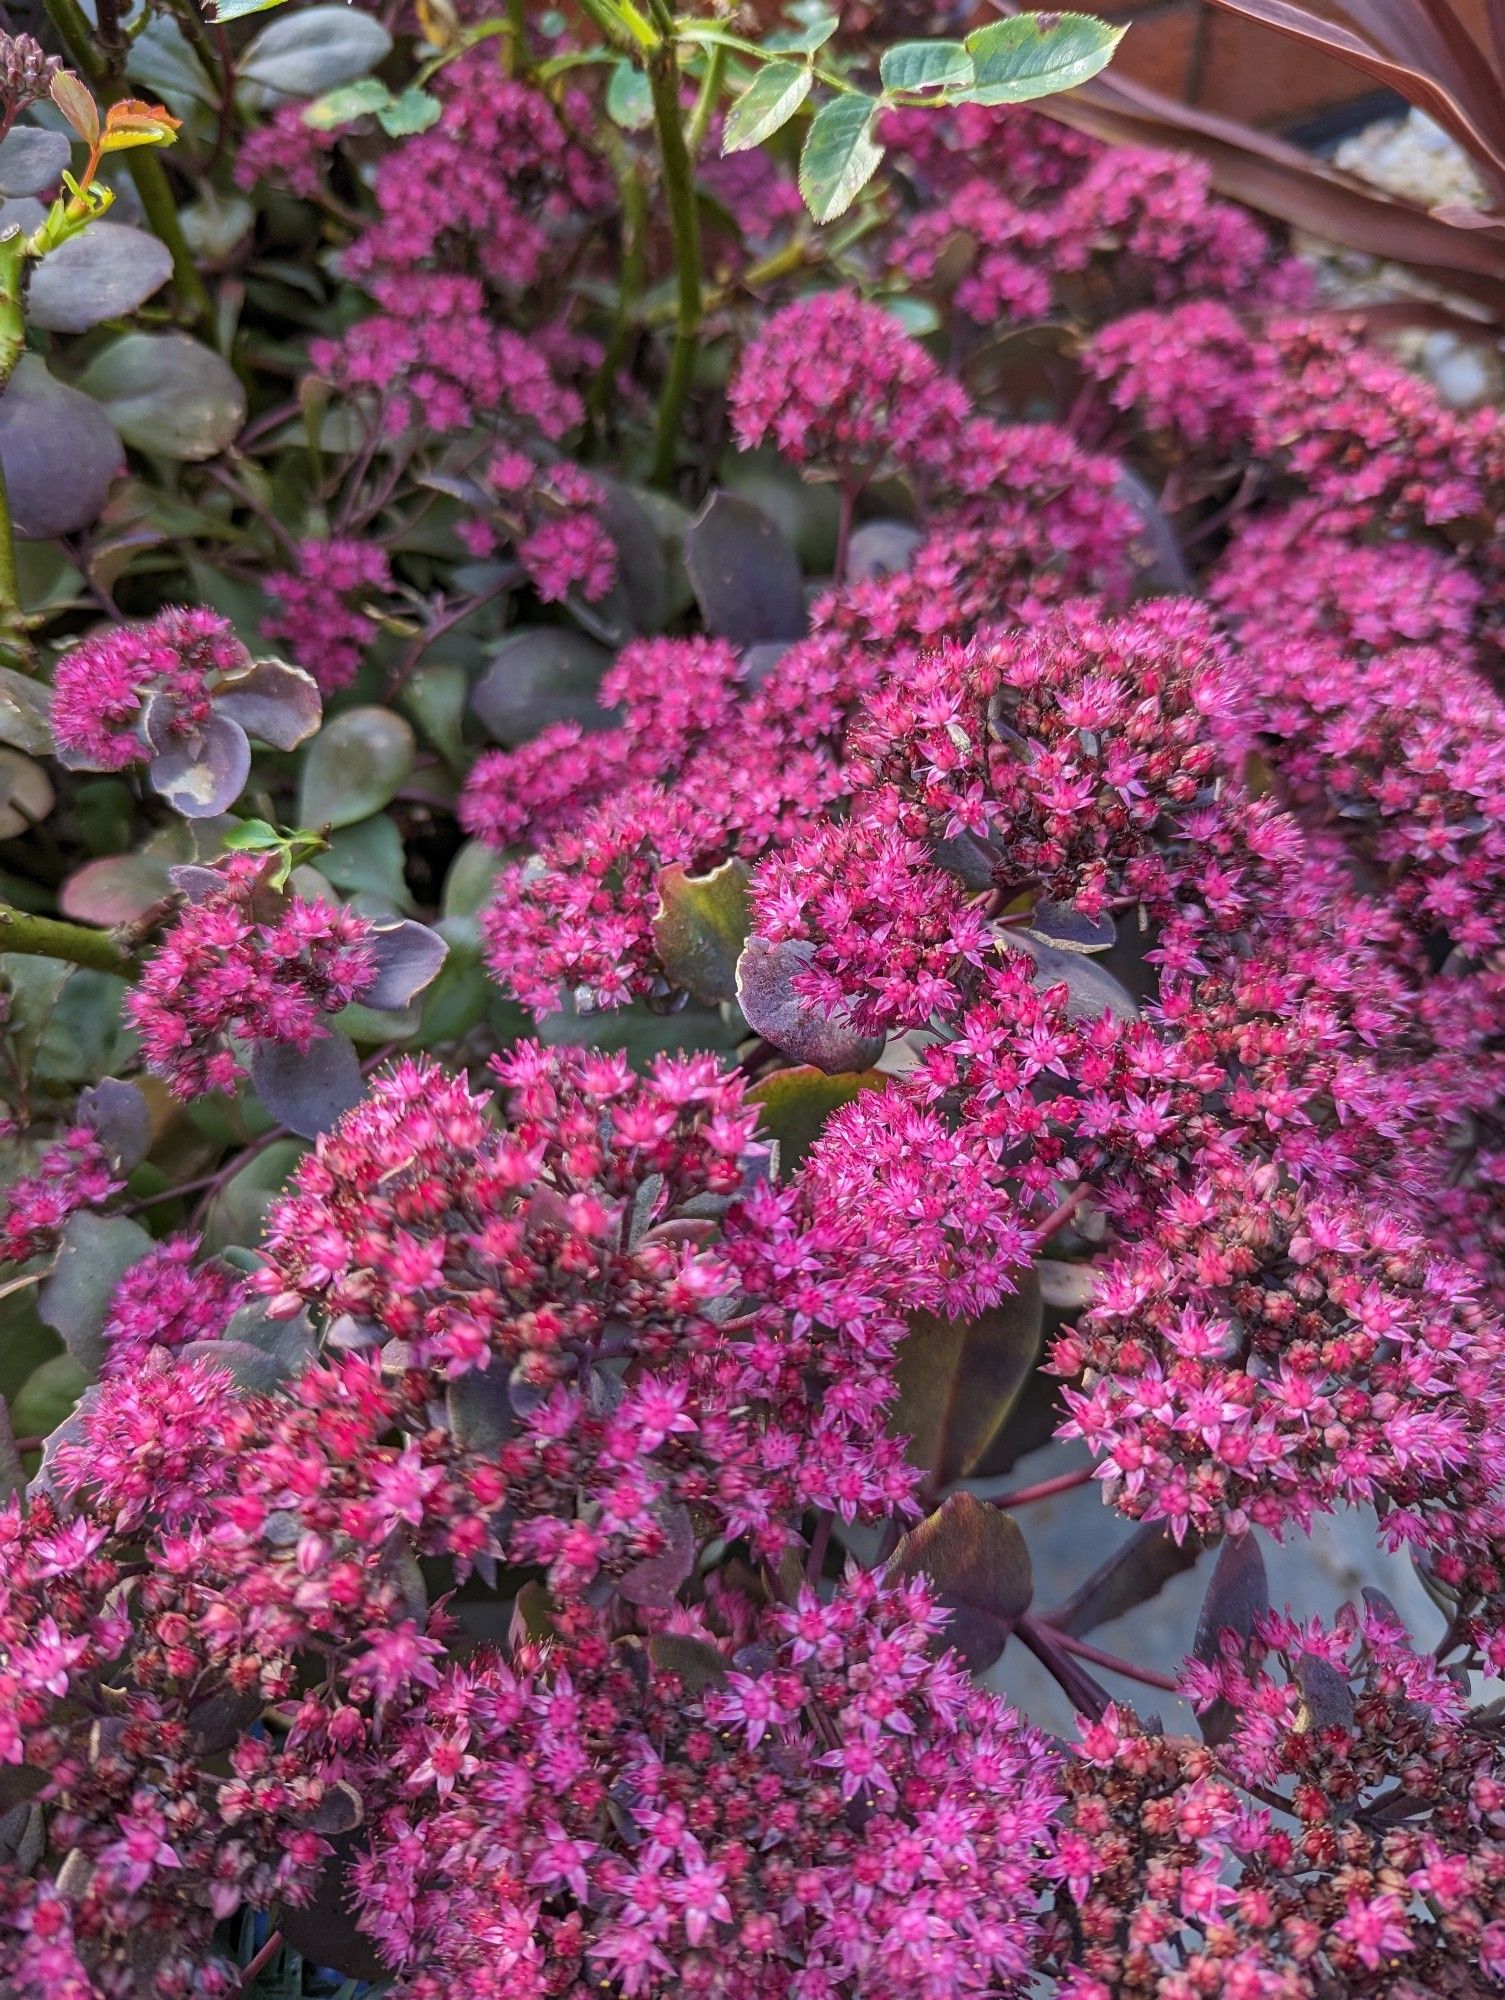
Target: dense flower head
{"points": [[108, 689], [1193, 374], [285, 153], [434, 357], [72, 1173], [315, 613], [168, 1299], [1019, 150], [1181, 1877], [551, 514], [244, 964], [837, 384], [848, 1816], [525, 1264], [1288, 574], [502, 177]]}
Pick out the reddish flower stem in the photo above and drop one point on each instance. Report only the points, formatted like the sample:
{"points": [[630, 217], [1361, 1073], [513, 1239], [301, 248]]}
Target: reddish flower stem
{"points": [[258, 1964], [1111, 1662], [1063, 1482]]}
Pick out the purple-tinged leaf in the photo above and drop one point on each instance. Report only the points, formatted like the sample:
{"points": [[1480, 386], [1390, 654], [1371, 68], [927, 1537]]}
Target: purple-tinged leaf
{"points": [[977, 1562], [480, 1410], [745, 575], [1238, 1595], [1066, 928], [31, 160], [408, 957], [59, 453], [880, 549], [116, 889], [276, 703], [307, 1090], [695, 1662], [205, 774], [960, 1379], [1090, 991], [797, 1026], [121, 1117], [287, 1343], [538, 678], [1326, 1697], [323, 1929], [104, 273], [651, 1584], [1135, 1572], [12, 1472], [250, 1369]]}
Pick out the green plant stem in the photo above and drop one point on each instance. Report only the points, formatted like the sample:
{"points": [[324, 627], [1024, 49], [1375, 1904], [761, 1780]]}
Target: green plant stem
{"points": [[705, 103], [15, 644], [48, 937], [145, 168], [684, 226], [634, 198]]}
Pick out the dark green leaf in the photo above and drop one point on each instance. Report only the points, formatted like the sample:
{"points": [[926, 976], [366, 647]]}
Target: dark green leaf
{"points": [[768, 103], [168, 394], [25, 713], [354, 767], [745, 574], [95, 1254], [48, 1397], [793, 1105]]}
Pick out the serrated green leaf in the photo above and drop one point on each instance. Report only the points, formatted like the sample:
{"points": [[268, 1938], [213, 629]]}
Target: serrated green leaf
{"points": [[767, 104], [237, 10], [629, 101], [817, 31], [840, 156], [925, 66], [1033, 55]]}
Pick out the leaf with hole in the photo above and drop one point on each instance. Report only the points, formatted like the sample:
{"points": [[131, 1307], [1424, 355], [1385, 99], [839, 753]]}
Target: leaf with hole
{"points": [[700, 928], [766, 106], [1035, 55], [840, 156], [925, 66]]}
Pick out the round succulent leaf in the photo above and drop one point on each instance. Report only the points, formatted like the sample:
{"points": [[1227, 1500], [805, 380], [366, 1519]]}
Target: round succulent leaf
{"points": [[25, 713], [802, 1030], [115, 889], [26, 794], [95, 1253], [794, 1104], [1090, 991], [979, 1569], [31, 160], [354, 767], [1068, 929], [59, 452], [408, 958], [700, 928], [287, 1342], [48, 1397], [479, 1410], [205, 774], [121, 1118], [307, 1089], [1238, 1596], [104, 273], [540, 677], [273, 701], [238, 1212], [313, 51], [881, 549], [167, 394], [652, 1583], [745, 573]]}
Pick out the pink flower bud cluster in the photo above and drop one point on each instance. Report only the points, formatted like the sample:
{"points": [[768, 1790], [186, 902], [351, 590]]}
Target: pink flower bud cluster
{"points": [[101, 687], [318, 616], [169, 1299], [613, 1348], [243, 965], [72, 1173], [551, 516], [841, 1814]]}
